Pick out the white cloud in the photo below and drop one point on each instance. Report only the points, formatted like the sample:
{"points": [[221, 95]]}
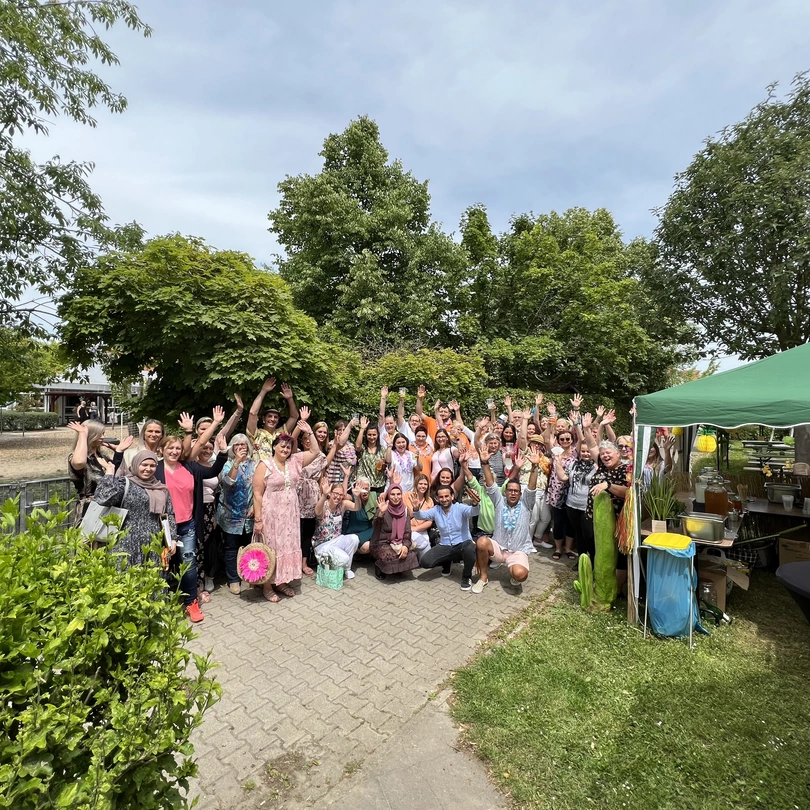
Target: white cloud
{"points": [[518, 105]]}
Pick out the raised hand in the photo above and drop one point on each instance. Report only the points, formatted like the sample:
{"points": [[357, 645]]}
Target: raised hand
{"points": [[384, 392], [576, 401], [304, 413], [125, 443], [600, 411], [421, 391], [109, 467], [79, 428], [484, 455], [538, 401], [186, 421], [507, 401], [587, 421], [238, 400], [453, 405], [668, 442], [436, 404], [382, 503], [609, 418], [303, 427], [483, 424], [552, 410], [520, 459], [326, 486], [363, 423], [269, 385], [347, 470], [535, 456], [218, 414], [527, 414], [464, 457], [286, 391], [221, 443], [572, 417]]}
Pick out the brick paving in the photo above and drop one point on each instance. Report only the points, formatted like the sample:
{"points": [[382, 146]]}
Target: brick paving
{"points": [[315, 684]]}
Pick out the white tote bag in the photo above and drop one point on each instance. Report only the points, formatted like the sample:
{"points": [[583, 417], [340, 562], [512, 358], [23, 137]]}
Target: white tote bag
{"points": [[92, 525]]}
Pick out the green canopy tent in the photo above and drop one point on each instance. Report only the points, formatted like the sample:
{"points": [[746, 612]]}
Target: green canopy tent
{"points": [[774, 392]]}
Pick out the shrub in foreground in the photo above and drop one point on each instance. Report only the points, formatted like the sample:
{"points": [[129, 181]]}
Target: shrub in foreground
{"points": [[99, 697], [28, 420]]}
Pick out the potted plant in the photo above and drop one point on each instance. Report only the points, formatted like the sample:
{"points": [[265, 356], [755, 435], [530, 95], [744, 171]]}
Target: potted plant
{"points": [[661, 503]]}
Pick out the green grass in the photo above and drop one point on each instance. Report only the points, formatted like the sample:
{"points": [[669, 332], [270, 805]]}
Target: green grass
{"points": [[581, 712], [737, 460]]}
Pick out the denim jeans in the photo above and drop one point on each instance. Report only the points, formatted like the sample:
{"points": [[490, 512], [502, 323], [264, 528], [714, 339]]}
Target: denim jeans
{"points": [[187, 535], [233, 542]]}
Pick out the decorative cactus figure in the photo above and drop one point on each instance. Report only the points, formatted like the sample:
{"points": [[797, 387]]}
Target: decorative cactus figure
{"points": [[584, 585], [607, 553]]}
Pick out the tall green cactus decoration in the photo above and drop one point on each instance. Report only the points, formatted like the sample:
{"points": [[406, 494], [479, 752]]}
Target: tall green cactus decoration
{"points": [[584, 585], [607, 552]]}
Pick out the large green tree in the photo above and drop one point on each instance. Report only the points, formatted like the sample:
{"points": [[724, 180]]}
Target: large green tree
{"points": [[205, 322], [362, 255], [50, 219], [559, 305], [735, 234]]}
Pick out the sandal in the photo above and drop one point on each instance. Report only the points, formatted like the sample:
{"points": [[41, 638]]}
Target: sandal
{"points": [[572, 555], [307, 571], [271, 597], [285, 589], [556, 555]]}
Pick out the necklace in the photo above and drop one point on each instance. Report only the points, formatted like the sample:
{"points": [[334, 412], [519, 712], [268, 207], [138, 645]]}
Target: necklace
{"points": [[285, 473]]}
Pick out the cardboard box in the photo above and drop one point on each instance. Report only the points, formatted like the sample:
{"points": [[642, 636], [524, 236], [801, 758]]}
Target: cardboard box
{"points": [[791, 550]]}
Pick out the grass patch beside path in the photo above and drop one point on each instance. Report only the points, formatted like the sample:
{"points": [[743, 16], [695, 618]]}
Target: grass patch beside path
{"points": [[579, 711]]}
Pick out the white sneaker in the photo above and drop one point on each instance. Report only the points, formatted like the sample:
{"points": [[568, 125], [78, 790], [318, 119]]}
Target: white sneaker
{"points": [[348, 574], [514, 583], [480, 585], [545, 544], [209, 584]]}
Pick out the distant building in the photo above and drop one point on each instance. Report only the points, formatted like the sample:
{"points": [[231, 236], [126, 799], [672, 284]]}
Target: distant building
{"points": [[63, 397]]}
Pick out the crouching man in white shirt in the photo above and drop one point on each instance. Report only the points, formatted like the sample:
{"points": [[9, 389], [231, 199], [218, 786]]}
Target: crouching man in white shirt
{"points": [[511, 541]]}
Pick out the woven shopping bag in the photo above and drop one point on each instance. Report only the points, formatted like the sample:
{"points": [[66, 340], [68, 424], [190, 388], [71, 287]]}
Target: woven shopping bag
{"points": [[329, 577], [256, 562]]}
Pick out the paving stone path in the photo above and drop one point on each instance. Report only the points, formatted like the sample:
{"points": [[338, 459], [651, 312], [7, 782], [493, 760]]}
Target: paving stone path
{"points": [[312, 686]]}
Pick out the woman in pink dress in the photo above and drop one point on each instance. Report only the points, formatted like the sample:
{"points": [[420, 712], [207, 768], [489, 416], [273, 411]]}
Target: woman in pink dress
{"points": [[275, 505]]}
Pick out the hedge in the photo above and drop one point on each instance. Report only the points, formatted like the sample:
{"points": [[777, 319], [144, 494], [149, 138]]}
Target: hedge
{"points": [[32, 420], [100, 695]]}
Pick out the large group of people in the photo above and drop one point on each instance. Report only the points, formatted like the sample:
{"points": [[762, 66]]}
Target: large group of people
{"points": [[409, 491]]}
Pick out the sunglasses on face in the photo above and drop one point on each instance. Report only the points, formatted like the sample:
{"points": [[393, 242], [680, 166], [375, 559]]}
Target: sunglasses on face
{"points": [[562, 439], [625, 447]]}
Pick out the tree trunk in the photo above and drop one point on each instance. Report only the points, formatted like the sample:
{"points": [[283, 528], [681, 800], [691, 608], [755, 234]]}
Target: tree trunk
{"points": [[802, 436]]}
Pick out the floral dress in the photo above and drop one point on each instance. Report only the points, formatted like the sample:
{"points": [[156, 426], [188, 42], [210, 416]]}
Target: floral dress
{"points": [[308, 487], [556, 488], [280, 518]]}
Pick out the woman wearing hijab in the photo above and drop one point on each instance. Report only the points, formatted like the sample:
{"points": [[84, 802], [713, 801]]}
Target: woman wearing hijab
{"points": [[391, 544], [147, 500]]}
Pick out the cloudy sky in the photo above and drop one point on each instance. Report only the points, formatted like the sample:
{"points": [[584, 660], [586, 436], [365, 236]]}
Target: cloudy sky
{"points": [[517, 105]]}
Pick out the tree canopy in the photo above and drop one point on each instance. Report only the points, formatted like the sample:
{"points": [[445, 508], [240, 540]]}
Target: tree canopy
{"points": [[735, 234], [50, 220], [204, 322], [26, 362], [362, 255]]}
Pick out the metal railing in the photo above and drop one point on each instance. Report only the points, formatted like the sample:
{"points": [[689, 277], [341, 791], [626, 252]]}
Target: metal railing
{"points": [[36, 494]]}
